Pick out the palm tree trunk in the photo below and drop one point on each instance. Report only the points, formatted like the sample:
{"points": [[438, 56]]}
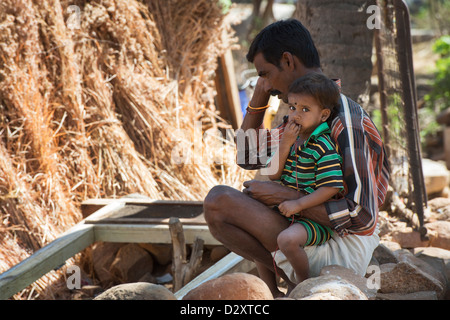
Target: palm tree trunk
{"points": [[343, 40]]}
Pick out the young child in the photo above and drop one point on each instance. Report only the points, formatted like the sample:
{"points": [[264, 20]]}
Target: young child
{"points": [[311, 165]]}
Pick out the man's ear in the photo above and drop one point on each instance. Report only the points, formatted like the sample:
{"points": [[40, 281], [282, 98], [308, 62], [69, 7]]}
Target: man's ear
{"points": [[288, 60], [325, 114]]}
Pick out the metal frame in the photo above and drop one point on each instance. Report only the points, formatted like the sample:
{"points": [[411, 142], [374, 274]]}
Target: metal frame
{"points": [[91, 230], [409, 97]]}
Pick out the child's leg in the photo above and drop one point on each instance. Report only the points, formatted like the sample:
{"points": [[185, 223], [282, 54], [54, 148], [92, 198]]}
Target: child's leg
{"points": [[291, 242]]}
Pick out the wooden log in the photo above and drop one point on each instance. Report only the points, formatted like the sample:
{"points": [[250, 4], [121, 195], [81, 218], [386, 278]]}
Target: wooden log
{"points": [[181, 268]]}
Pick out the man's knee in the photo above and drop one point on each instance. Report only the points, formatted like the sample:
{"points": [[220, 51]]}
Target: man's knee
{"points": [[215, 201]]}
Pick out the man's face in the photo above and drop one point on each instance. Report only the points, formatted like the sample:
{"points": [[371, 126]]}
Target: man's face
{"points": [[276, 79]]}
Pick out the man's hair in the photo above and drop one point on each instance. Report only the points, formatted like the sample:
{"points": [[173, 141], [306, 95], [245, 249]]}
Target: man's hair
{"points": [[324, 90], [285, 36]]}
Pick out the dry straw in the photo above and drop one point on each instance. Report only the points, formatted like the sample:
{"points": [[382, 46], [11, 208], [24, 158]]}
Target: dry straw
{"points": [[90, 111]]}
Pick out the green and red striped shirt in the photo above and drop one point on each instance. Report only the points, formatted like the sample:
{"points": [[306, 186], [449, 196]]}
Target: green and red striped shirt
{"points": [[314, 163]]}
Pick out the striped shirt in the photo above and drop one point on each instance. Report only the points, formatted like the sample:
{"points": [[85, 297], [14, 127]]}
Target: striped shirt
{"points": [[365, 167], [313, 164]]}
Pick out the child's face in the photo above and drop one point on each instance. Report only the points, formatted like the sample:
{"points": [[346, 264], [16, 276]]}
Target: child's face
{"points": [[306, 112]]}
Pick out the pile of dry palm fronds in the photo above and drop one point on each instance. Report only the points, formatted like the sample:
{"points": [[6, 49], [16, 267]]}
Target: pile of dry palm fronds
{"points": [[93, 101]]}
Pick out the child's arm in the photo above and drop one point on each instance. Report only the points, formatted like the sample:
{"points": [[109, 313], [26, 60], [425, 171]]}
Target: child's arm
{"points": [[290, 135], [319, 196]]}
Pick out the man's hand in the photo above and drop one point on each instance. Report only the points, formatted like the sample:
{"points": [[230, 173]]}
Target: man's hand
{"points": [[268, 192]]}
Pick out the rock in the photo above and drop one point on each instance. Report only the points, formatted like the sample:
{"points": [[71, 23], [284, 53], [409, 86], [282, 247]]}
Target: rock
{"points": [[439, 209], [218, 253], [391, 245], [131, 263], [438, 258], [439, 234], [436, 176], [407, 256], [406, 277], [351, 277], [234, 286], [321, 296], [103, 255], [327, 286], [439, 203], [421, 295], [384, 255], [161, 252], [385, 225], [91, 290], [137, 291], [408, 238]]}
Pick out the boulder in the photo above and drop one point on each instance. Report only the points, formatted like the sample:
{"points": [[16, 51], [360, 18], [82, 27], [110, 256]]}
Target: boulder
{"points": [[234, 286], [329, 287], [162, 253], [436, 176], [137, 291], [439, 234], [438, 258], [421, 295], [408, 238], [351, 277], [439, 209], [218, 252], [103, 255], [406, 277], [384, 255], [131, 263]]}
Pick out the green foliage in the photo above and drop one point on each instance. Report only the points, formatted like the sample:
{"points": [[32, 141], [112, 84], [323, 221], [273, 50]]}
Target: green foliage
{"points": [[225, 5], [439, 98]]}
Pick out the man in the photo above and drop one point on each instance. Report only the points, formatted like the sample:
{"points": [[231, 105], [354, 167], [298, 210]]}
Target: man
{"points": [[245, 221]]}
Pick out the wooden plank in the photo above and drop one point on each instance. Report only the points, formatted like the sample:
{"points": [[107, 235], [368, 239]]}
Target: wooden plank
{"points": [[45, 259], [228, 102], [90, 206], [141, 233], [229, 264], [51, 256]]}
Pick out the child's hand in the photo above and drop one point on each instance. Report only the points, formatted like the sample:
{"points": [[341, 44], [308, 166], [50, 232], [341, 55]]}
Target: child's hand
{"points": [[289, 208], [291, 132]]}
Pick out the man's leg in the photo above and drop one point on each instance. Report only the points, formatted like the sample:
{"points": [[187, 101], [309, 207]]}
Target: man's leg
{"points": [[246, 227]]}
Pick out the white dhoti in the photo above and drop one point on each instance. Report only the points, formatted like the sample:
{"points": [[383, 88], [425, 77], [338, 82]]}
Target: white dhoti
{"points": [[353, 252]]}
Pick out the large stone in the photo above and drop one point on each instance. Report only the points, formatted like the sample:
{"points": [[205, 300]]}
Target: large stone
{"points": [[103, 255], [436, 176], [384, 255], [161, 252], [351, 277], [235, 286], [408, 238], [438, 258], [439, 234], [328, 286], [131, 263], [439, 209], [407, 277], [421, 295], [137, 291]]}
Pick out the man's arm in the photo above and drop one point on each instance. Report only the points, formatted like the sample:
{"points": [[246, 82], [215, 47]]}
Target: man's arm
{"points": [[259, 99]]}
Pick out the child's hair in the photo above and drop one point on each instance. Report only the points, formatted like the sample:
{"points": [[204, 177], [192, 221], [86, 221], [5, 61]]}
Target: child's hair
{"points": [[321, 88]]}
